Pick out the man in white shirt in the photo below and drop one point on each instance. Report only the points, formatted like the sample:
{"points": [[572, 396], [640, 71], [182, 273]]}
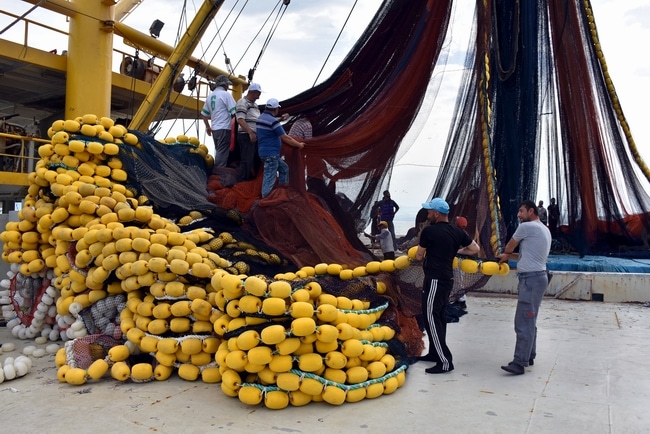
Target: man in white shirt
{"points": [[217, 113]]}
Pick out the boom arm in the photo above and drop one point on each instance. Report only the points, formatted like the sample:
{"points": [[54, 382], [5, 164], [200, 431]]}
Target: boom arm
{"points": [[177, 60]]}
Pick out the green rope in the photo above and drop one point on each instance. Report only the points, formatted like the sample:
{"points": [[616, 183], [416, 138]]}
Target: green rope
{"points": [[327, 382]]}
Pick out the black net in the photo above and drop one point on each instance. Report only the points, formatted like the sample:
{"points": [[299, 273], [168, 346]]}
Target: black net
{"points": [[537, 107]]}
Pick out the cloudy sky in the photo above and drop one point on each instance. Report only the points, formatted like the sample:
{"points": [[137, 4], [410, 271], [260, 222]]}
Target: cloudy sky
{"points": [[307, 32]]}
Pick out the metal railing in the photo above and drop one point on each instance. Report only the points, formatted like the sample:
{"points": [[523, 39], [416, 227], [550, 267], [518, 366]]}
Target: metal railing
{"points": [[18, 154]]}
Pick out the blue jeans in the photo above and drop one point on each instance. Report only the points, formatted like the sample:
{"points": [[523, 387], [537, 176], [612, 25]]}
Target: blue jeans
{"points": [[531, 291], [273, 165]]}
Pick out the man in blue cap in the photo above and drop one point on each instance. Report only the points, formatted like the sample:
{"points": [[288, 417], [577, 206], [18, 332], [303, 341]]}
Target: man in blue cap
{"points": [[440, 242]]}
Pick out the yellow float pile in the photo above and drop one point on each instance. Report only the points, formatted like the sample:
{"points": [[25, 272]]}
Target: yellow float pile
{"points": [[81, 222], [292, 343], [282, 341]]}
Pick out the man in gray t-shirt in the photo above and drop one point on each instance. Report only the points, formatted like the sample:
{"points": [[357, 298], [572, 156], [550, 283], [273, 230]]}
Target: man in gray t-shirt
{"points": [[534, 241]]}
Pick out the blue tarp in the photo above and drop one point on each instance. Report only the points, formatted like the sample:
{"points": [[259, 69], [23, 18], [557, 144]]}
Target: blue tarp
{"points": [[595, 264]]}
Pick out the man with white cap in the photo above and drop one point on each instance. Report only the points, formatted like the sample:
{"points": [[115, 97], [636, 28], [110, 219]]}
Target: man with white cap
{"points": [[246, 114], [217, 114], [270, 136], [440, 242]]}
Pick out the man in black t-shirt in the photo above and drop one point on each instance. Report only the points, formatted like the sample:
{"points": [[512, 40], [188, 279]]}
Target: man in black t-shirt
{"points": [[440, 242]]}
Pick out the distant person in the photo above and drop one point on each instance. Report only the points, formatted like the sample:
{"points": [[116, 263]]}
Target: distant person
{"points": [[534, 241], [388, 210], [543, 216], [301, 128], [461, 222], [217, 114], [246, 114], [375, 220], [440, 242], [270, 136], [553, 216], [385, 240]]}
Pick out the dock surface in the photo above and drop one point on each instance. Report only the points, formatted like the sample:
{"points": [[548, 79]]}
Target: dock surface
{"points": [[591, 375]]}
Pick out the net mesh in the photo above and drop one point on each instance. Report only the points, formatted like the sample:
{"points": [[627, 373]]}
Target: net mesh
{"points": [[536, 114], [82, 352], [25, 293], [537, 109]]}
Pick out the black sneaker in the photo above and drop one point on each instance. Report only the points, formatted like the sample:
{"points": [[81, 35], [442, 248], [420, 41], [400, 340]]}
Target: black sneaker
{"points": [[514, 368], [531, 362], [438, 369], [426, 358]]}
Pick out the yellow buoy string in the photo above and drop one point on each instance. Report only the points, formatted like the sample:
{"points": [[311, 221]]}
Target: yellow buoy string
{"points": [[487, 154], [612, 90]]}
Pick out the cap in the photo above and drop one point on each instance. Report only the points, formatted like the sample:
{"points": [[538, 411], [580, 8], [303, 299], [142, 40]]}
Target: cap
{"points": [[254, 87], [461, 222], [437, 204], [272, 103], [222, 80], [383, 223]]}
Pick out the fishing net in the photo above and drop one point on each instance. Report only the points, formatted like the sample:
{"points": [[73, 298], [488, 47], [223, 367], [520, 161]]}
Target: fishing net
{"points": [[359, 117], [172, 177], [103, 316], [538, 114], [25, 293], [82, 352]]}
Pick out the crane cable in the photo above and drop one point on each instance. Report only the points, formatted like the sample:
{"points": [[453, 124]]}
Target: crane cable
{"points": [[276, 22], [335, 42]]}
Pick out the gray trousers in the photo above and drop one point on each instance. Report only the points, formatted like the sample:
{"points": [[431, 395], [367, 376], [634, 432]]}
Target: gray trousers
{"points": [[221, 140], [531, 291]]}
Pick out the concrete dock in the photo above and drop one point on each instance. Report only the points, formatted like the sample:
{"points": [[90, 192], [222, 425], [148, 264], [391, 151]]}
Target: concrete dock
{"points": [[591, 375]]}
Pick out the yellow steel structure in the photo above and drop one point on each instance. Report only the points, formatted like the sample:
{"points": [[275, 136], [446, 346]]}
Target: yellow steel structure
{"points": [[88, 64], [160, 50], [88, 84]]}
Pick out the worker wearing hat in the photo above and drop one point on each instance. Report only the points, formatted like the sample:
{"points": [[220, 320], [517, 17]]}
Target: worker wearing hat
{"points": [[385, 240], [440, 242], [246, 114], [270, 136], [217, 113]]}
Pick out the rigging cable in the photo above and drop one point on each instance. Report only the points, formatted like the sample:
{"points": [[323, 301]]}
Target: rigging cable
{"points": [[196, 72], [335, 42], [192, 81], [274, 26], [231, 70], [21, 17]]}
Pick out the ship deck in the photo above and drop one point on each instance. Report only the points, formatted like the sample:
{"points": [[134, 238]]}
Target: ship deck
{"points": [[590, 376]]}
